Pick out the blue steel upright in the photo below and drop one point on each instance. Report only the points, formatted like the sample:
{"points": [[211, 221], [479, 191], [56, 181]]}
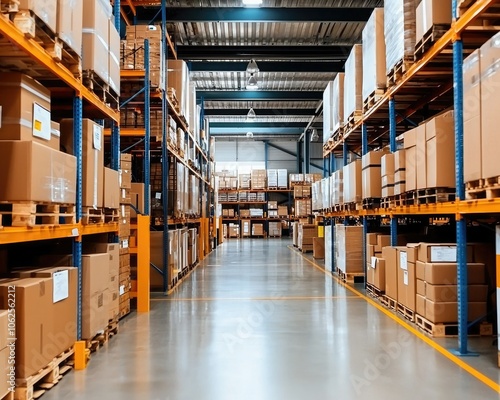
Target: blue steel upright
{"points": [[364, 150], [307, 151], [393, 148], [147, 128], [345, 153], [77, 244]]}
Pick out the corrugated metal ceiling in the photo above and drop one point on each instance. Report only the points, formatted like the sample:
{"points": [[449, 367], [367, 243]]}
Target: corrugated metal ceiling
{"points": [[237, 105]]}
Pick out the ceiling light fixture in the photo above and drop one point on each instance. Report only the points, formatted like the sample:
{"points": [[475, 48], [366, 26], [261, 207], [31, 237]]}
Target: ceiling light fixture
{"points": [[251, 115], [252, 83], [252, 67], [252, 2]]}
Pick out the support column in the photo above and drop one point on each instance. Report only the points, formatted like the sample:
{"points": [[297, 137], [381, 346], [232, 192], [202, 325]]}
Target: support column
{"points": [[393, 148], [345, 153], [299, 157], [364, 150], [143, 263], [307, 151]]}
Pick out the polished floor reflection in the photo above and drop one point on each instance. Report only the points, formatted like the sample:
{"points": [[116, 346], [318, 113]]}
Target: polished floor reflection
{"points": [[258, 322]]}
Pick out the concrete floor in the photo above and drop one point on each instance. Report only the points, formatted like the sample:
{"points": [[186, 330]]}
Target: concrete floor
{"points": [[258, 322]]}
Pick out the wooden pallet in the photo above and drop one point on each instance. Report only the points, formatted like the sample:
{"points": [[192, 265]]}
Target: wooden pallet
{"points": [[92, 216], [101, 89], [111, 215], [306, 248], [374, 291], [31, 214], [373, 99], [371, 204], [398, 71], [435, 195], [388, 302], [483, 189], [45, 379], [353, 277], [103, 337], [429, 38], [441, 330], [406, 312], [354, 118]]}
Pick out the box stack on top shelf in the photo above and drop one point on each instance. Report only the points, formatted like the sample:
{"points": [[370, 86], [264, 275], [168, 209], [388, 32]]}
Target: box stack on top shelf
{"points": [[258, 179], [433, 19], [353, 86]]}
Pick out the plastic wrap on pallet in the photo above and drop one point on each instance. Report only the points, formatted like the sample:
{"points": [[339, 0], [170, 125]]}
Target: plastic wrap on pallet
{"points": [[432, 12], [185, 194], [282, 178], [114, 57], [69, 23], [353, 84], [272, 178], [328, 111], [352, 186], [178, 78], [374, 71], [316, 196], [338, 187], [400, 27], [46, 10], [328, 247], [338, 102], [325, 191]]}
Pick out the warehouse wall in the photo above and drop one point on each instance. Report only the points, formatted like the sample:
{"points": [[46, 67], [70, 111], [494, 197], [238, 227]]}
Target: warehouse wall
{"points": [[244, 152]]}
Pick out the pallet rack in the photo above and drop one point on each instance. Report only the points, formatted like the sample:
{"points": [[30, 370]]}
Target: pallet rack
{"points": [[142, 136], [425, 82]]}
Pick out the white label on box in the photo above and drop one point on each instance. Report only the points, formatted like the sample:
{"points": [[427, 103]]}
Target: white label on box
{"points": [[125, 244], [60, 286], [405, 278], [97, 140], [403, 260], [75, 232], [374, 262], [122, 289], [158, 196], [41, 122], [444, 254]]}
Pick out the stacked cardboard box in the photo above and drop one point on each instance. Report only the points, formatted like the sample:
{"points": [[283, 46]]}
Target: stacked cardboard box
{"points": [[353, 84], [349, 248], [430, 13], [375, 268], [157, 253], [111, 189], [178, 79], [374, 67], [132, 52], [282, 211], [69, 24], [309, 179], [388, 173], [305, 236], [399, 172], [244, 181], [372, 174], [300, 192], [436, 284], [124, 232], [275, 229], [234, 230], [245, 229], [257, 229], [319, 248], [303, 207], [258, 178], [296, 179], [352, 176], [46, 11]]}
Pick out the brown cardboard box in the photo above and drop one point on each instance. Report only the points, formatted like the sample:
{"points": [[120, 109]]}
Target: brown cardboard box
{"points": [[432, 12], [371, 238], [472, 117], [447, 293], [319, 248], [33, 323], [137, 196], [125, 179], [421, 287], [95, 38], [257, 229], [390, 255], [388, 164], [388, 186], [46, 10], [371, 164], [113, 303], [441, 252], [448, 312], [111, 188], [440, 151], [399, 172], [112, 249], [420, 303], [25, 107], [30, 171], [490, 117], [114, 57], [376, 272], [446, 273], [93, 159], [69, 23], [382, 241], [406, 277], [421, 156], [410, 143], [95, 282], [420, 270]]}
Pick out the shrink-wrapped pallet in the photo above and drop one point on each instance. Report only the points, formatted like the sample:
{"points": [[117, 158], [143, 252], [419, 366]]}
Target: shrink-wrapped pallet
{"points": [[338, 187], [374, 71], [353, 83], [328, 112], [400, 31], [317, 197], [349, 248], [328, 248], [325, 192], [338, 102], [352, 182]]}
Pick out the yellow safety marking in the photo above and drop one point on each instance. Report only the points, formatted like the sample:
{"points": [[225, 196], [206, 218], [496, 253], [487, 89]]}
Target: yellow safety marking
{"points": [[474, 372], [257, 298]]}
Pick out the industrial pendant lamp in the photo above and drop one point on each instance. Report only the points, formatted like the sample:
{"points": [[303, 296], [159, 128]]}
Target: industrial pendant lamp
{"points": [[252, 2], [252, 67], [252, 83], [251, 115]]}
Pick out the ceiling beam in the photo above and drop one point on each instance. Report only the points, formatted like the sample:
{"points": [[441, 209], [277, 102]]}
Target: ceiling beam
{"points": [[258, 95], [310, 52], [268, 66], [243, 131], [260, 112], [258, 14], [255, 125]]}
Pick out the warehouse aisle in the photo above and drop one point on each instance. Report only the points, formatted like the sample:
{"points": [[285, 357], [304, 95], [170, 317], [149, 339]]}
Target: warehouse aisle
{"points": [[258, 322]]}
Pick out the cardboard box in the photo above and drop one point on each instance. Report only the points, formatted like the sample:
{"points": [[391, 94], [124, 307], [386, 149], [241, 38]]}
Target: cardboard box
{"points": [[353, 187], [137, 193], [446, 273], [410, 145], [70, 23], [421, 288], [448, 312], [432, 12], [387, 164], [447, 293], [420, 303], [382, 241], [114, 57], [371, 174], [421, 156], [353, 81], [93, 159], [113, 251], [25, 110], [420, 270], [46, 10], [441, 252], [490, 117], [319, 248], [111, 188], [33, 323], [95, 38], [440, 151], [472, 117], [125, 179], [388, 186], [406, 277], [371, 238], [374, 67], [376, 272], [113, 303], [30, 171], [390, 255]]}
